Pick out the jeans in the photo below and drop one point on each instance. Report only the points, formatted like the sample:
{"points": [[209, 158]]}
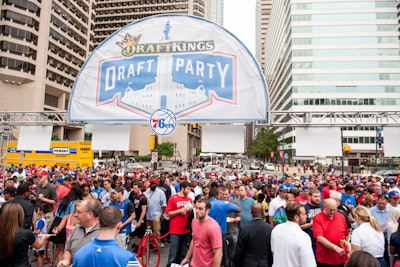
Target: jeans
{"points": [[179, 245], [232, 241]]}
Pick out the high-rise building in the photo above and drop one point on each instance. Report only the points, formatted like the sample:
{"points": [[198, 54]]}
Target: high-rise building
{"points": [[334, 56], [263, 13], [44, 44], [215, 11], [111, 15]]}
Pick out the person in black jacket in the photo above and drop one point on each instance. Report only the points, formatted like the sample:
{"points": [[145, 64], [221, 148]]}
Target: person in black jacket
{"points": [[22, 198], [254, 242]]}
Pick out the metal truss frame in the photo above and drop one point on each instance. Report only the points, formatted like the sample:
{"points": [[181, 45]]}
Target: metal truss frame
{"points": [[49, 118], [330, 119], [276, 118]]}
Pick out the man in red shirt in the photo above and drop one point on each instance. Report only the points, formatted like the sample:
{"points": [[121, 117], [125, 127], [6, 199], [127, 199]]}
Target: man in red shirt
{"points": [[61, 190], [178, 208], [304, 197], [331, 232], [327, 189]]}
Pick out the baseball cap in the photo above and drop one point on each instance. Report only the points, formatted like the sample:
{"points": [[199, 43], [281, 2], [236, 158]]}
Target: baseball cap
{"points": [[284, 187], [42, 173], [394, 194], [305, 187], [154, 181], [59, 180], [10, 190]]}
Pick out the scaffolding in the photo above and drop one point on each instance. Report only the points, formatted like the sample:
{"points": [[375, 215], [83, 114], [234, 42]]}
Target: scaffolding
{"points": [[9, 120], [276, 119], [331, 119]]}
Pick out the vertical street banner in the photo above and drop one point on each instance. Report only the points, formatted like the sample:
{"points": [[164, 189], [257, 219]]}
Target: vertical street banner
{"points": [[169, 69]]}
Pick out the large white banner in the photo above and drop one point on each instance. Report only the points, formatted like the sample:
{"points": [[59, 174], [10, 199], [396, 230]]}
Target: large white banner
{"points": [[34, 138], [318, 141], [191, 69], [223, 138], [391, 142], [111, 137]]}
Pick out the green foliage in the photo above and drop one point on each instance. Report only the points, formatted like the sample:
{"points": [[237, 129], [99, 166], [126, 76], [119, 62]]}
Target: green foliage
{"points": [[265, 142], [55, 137], [198, 151], [165, 149]]}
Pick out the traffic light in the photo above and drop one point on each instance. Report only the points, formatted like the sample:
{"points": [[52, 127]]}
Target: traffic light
{"points": [[152, 142], [194, 126], [379, 137]]}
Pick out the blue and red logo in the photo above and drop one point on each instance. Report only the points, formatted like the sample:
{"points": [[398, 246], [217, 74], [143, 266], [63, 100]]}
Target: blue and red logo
{"points": [[163, 122]]}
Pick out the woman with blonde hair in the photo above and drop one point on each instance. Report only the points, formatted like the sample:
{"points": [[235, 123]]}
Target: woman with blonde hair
{"points": [[14, 239], [368, 236]]}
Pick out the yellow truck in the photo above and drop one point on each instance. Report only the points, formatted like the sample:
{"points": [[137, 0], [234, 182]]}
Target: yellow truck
{"points": [[61, 153]]}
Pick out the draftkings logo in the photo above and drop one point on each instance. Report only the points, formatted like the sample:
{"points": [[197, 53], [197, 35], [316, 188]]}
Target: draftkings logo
{"points": [[130, 45]]}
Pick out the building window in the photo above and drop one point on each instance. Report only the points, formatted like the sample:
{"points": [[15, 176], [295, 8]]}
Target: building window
{"points": [[51, 100], [18, 65]]}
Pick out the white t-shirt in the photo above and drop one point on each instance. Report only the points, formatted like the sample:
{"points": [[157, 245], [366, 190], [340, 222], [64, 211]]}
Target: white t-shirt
{"points": [[369, 240], [291, 246]]}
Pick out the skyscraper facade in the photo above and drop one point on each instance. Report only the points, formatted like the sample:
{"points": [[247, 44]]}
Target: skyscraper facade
{"points": [[263, 13], [111, 15], [215, 11], [334, 56], [43, 45]]}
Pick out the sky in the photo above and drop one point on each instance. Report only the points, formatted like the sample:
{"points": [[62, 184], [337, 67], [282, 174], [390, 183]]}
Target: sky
{"points": [[239, 19]]}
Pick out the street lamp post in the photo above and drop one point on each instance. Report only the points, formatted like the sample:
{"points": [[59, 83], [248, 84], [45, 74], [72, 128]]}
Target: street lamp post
{"points": [[283, 155], [175, 153]]}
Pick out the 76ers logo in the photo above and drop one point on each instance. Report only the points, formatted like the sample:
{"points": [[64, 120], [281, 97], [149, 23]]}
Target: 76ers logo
{"points": [[163, 122]]}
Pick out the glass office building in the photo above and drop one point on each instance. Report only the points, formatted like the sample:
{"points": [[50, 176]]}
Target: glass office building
{"points": [[334, 56]]}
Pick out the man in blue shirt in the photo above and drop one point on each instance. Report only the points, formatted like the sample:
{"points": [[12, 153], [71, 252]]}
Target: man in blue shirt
{"points": [[104, 250], [348, 198], [127, 209], [97, 189], [219, 212], [245, 203]]}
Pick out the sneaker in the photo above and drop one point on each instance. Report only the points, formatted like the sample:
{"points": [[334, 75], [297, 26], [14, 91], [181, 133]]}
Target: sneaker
{"points": [[162, 245]]}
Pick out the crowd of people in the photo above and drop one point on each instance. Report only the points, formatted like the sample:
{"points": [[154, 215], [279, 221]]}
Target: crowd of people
{"points": [[98, 216]]}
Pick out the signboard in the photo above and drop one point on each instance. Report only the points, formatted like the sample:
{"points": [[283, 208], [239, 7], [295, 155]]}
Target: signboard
{"points": [[154, 157], [169, 69], [61, 151]]}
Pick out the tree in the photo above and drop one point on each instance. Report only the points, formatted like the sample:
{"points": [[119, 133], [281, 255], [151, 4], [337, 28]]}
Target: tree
{"points": [[166, 149], [55, 137], [265, 142]]}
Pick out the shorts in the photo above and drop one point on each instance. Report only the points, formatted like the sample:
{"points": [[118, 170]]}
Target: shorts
{"points": [[38, 253], [139, 232]]}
